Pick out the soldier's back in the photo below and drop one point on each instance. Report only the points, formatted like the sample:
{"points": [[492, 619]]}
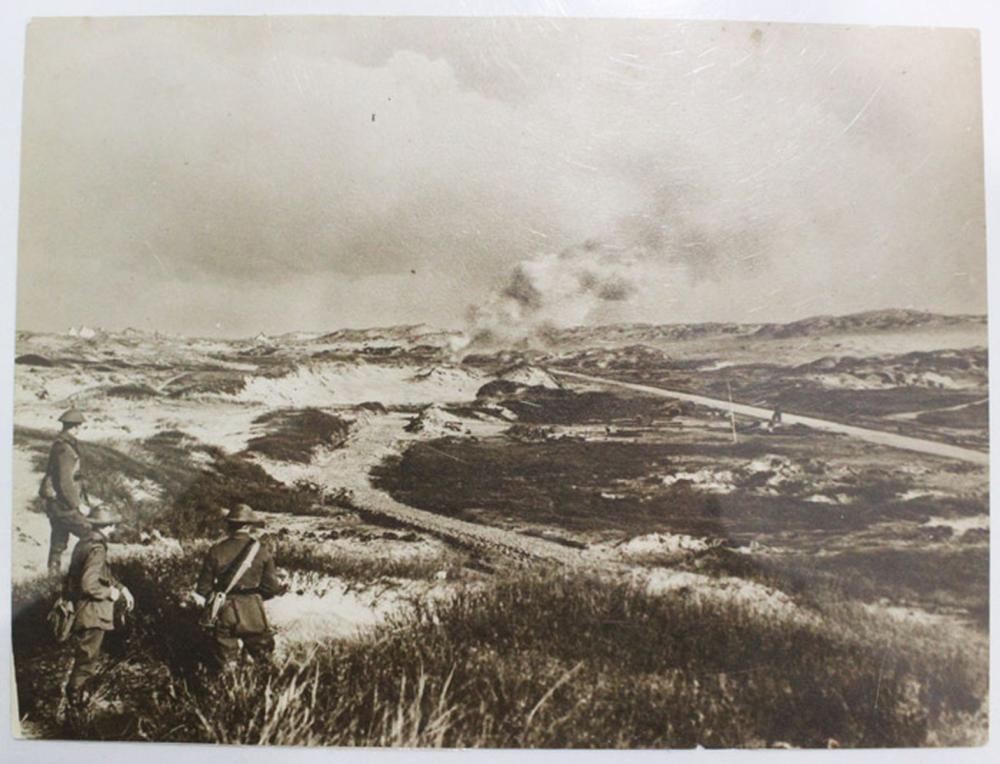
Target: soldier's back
{"points": [[78, 559], [224, 555]]}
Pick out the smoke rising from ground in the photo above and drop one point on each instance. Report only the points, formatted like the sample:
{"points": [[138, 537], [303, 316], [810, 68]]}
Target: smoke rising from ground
{"points": [[557, 290], [655, 256]]}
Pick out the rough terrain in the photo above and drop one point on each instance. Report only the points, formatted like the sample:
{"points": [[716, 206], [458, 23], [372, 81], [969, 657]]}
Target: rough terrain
{"points": [[412, 468]]}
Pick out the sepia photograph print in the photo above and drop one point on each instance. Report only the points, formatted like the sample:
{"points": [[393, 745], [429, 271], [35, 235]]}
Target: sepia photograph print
{"points": [[511, 382]]}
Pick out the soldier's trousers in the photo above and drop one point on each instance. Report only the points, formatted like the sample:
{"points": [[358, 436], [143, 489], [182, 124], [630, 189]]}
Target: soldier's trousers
{"points": [[86, 660], [64, 522], [226, 646]]}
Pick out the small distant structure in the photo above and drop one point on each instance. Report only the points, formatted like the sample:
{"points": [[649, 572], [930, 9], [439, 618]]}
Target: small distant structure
{"points": [[83, 332]]}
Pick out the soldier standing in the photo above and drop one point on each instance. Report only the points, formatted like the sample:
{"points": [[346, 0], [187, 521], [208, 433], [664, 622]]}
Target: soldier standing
{"points": [[242, 616], [62, 488], [93, 591]]}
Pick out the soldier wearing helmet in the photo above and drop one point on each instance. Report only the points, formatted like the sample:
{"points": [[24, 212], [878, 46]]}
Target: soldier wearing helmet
{"points": [[242, 567], [62, 489], [93, 591]]}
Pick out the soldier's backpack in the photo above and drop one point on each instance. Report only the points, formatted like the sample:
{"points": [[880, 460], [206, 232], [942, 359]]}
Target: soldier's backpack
{"points": [[210, 615], [46, 490], [60, 619]]}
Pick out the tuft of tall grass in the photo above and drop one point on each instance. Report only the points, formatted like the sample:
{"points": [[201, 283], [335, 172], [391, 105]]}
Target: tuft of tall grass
{"points": [[363, 566], [936, 578], [553, 659]]}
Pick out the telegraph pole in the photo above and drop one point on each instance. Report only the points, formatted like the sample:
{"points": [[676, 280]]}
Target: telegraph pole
{"points": [[732, 414]]}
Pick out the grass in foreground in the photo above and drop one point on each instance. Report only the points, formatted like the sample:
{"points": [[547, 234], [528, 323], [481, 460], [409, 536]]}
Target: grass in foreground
{"points": [[361, 565], [537, 660]]}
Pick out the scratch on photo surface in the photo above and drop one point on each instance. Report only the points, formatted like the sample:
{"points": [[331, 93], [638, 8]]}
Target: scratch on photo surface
{"points": [[864, 108], [699, 69], [156, 257], [579, 164], [742, 60], [635, 65], [881, 671]]}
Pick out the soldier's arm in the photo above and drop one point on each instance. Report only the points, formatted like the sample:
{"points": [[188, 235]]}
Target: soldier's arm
{"points": [[270, 586], [64, 463], [93, 584], [206, 579]]}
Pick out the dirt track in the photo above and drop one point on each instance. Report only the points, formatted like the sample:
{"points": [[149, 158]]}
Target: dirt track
{"points": [[880, 437], [383, 435], [373, 440]]}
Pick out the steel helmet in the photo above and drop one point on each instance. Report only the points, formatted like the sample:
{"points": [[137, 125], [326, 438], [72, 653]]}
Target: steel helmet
{"points": [[100, 516], [72, 416], [244, 515]]}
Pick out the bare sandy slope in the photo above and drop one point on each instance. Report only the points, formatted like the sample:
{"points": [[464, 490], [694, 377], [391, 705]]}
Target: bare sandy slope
{"points": [[383, 435], [31, 529]]}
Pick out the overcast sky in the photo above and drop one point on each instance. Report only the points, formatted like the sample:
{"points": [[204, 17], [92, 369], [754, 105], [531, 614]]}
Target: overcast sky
{"points": [[235, 175]]}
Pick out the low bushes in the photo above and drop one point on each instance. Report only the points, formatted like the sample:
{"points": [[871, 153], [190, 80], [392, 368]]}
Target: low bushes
{"points": [[539, 659], [132, 391], [361, 565], [198, 510], [293, 435]]}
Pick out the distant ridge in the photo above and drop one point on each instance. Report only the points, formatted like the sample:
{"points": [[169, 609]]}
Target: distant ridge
{"points": [[635, 332], [892, 319], [872, 320]]}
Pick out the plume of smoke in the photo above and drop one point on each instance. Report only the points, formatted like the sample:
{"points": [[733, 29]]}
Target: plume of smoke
{"points": [[655, 257], [556, 290]]}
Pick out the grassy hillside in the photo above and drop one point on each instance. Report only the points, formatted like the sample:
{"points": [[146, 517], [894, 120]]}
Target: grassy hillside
{"points": [[541, 659]]}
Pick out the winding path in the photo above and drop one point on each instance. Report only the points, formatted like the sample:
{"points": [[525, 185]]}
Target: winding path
{"points": [[382, 436], [891, 439]]}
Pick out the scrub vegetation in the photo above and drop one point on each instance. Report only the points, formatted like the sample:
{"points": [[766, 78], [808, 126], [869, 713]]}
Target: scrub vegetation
{"points": [[535, 659]]}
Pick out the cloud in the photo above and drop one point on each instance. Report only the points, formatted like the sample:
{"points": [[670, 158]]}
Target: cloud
{"points": [[381, 170]]}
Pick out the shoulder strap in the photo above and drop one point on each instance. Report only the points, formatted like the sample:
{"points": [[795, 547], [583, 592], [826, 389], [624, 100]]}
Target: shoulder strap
{"points": [[248, 554], [72, 445]]}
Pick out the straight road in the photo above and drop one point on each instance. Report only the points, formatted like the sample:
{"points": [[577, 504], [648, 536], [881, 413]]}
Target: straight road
{"points": [[891, 439]]}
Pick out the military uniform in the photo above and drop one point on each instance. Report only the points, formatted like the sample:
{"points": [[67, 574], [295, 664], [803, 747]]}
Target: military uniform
{"points": [[61, 491], [89, 585], [242, 617]]}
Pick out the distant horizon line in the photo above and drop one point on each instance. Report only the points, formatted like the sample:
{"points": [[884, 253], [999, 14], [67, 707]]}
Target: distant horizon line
{"points": [[441, 330]]}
